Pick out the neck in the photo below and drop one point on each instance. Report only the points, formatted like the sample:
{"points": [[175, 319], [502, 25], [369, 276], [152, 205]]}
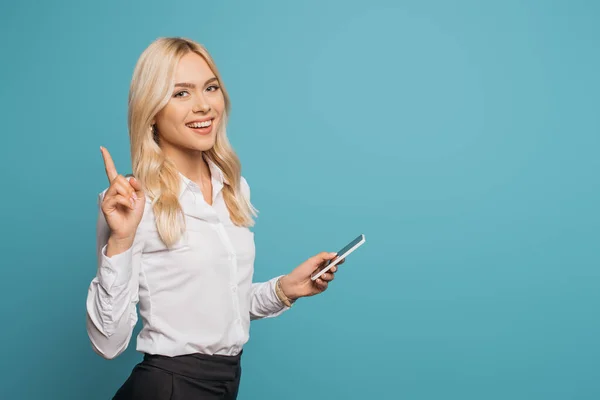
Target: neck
{"points": [[190, 163]]}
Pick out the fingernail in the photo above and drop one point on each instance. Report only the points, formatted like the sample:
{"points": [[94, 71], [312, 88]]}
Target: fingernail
{"points": [[134, 196], [132, 203], [101, 148]]}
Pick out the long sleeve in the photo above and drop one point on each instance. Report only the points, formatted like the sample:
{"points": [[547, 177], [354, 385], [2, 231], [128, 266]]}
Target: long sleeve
{"points": [[112, 295], [264, 302]]}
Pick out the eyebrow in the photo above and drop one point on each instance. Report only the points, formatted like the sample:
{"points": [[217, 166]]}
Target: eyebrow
{"points": [[193, 86]]}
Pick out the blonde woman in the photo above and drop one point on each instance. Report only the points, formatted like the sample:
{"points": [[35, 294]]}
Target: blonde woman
{"points": [[174, 238]]}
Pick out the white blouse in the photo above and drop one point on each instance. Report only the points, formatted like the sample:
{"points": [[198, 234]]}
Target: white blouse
{"points": [[195, 297]]}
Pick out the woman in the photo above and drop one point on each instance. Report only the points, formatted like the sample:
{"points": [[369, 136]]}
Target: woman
{"points": [[175, 240]]}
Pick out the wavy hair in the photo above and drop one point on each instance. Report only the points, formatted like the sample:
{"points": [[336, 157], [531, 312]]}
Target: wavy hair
{"points": [[151, 86]]}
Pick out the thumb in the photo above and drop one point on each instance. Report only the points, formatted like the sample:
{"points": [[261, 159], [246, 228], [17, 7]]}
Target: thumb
{"points": [[135, 184], [323, 256]]}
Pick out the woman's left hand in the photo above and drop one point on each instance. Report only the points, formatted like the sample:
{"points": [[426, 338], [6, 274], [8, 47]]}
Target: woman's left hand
{"points": [[298, 282]]}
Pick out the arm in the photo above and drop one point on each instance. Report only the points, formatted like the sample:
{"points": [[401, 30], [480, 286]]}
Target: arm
{"points": [[112, 294], [264, 302], [268, 302]]}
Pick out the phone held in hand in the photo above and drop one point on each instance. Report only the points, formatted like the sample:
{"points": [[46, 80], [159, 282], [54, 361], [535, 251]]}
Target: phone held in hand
{"points": [[342, 254]]}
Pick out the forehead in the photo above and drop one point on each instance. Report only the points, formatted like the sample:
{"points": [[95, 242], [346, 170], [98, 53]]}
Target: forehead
{"points": [[192, 68]]}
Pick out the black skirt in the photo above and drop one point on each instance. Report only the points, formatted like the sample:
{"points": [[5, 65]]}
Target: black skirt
{"points": [[188, 377]]}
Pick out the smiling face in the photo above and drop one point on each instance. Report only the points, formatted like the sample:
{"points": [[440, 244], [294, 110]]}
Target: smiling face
{"points": [[190, 120]]}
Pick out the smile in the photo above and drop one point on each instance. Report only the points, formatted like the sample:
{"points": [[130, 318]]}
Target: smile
{"points": [[196, 125]]}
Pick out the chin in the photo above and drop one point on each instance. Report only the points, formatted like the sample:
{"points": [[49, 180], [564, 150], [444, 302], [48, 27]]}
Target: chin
{"points": [[207, 144]]}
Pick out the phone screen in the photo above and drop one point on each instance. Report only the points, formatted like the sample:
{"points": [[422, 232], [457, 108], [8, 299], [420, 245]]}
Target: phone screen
{"points": [[342, 253], [347, 248]]}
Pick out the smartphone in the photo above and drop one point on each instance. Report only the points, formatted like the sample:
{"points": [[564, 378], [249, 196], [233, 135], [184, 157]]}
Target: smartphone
{"points": [[343, 253]]}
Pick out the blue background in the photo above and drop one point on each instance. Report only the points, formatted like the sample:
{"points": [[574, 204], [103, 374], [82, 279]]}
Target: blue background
{"points": [[460, 137]]}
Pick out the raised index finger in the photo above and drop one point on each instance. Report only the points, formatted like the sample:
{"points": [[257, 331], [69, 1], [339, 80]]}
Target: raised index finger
{"points": [[109, 165]]}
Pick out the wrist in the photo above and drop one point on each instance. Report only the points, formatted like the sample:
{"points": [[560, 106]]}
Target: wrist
{"points": [[118, 245], [283, 298], [288, 289]]}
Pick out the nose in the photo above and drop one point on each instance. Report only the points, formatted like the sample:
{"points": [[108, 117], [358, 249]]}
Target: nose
{"points": [[201, 105]]}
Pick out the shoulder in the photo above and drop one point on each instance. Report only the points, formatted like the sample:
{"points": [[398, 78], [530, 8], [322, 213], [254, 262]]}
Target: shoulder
{"points": [[245, 187]]}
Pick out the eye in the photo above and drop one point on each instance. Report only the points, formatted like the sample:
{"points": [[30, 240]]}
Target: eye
{"points": [[179, 93], [212, 88]]}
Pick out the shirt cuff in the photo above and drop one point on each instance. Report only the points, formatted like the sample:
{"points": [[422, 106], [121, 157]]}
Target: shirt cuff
{"points": [[115, 271]]}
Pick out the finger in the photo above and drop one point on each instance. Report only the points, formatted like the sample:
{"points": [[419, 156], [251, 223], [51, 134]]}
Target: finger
{"points": [[112, 201], [138, 192], [327, 277], [321, 284], [135, 184], [122, 187], [126, 185], [109, 165]]}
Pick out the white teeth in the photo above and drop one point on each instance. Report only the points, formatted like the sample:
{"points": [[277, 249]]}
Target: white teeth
{"points": [[204, 124]]}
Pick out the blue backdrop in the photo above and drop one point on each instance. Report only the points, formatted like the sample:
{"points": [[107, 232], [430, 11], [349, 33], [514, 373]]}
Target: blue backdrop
{"points": [[460, 137]]}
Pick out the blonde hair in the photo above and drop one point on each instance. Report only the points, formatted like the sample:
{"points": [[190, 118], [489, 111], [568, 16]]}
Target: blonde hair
{"points": [[150, 91]]}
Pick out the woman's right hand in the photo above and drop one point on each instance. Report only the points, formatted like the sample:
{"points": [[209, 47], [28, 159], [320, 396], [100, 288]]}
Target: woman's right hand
{"points": [[122, 206]]}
